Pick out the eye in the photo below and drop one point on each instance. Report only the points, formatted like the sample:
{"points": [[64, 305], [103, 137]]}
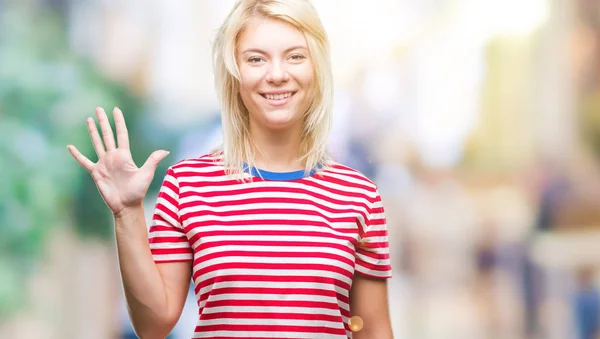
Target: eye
{"points": [[297, 57], [255, 59]]}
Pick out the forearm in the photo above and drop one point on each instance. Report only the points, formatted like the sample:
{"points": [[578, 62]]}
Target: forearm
{"points": [[384, 332], [144, 289]]}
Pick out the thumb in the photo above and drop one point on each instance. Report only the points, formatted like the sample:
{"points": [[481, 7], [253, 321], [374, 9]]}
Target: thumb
{"points": [[154, 159]]}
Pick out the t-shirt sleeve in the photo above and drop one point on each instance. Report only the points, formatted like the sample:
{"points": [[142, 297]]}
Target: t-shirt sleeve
{"points": [[168, 242], [373, 253]]}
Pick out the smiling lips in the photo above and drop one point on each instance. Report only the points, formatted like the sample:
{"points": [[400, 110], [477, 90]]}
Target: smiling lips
{"points": [[278, 99]]}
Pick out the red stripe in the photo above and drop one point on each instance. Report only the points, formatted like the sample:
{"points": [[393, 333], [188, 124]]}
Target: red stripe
{"points": [[270, 328], [164, 209], [271, 267], [263, 254], [277, 200], [212, 189], [162, 228], [374, 255], [273, 290], [167, 251], [272, 278], [372, 267], [271, 303], [271, 222], [271, 315], [268, 243], [282, 233], [210, 174]]}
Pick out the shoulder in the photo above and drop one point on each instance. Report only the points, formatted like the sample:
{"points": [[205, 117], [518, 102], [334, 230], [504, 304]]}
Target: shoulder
{"points": [[347, 176], [197, 166]]}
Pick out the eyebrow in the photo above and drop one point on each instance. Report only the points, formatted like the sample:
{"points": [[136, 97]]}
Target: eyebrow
{"points": [[257, 50]]}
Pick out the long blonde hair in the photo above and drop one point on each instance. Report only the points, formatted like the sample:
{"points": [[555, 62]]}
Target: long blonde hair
{"points": [[237, 147]]}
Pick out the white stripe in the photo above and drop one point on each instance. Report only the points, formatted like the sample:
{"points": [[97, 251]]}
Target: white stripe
{"points": [[271, 238], [378, 204], [377, 216], [274, 284], [269, 216], [345, 171], [273, 260], [356, 203], [280, 273], [160, 223], [166, 216], [377, 227], [169, 245], [280, 205], [349, 179], [188, 167], [381, 274], [288, 249], [240, 199], [273, 309], [297, 230], [374, 239], [374, 261], [170, 178], [226, 189], [264, 334], [272, 321], [269, 297], [162, 234], [171, 257], [301, 194], [340, 187]]}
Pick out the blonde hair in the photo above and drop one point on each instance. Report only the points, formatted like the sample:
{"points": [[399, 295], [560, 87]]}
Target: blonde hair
{"points": [[237, 147]]}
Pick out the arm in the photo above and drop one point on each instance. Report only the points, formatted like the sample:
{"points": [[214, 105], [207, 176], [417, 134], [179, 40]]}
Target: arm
{"points": [[155, 293], [369, 300], [368, 295]]}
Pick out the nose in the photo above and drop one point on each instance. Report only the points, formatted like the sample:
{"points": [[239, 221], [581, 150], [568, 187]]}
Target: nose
{"points": [[277, 73]]}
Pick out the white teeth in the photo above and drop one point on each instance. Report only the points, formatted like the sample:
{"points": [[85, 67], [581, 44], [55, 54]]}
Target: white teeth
{"points": [[278, 96]]}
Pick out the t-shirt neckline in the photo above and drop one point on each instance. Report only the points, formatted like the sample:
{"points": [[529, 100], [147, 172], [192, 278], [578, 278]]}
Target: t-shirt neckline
{"points": [[277, 176]]}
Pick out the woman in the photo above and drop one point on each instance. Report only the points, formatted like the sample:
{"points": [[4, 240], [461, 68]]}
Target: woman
{"points": [[279, 240]]}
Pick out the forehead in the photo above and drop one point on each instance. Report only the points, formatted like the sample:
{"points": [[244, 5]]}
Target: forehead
{"points": [[270, 35]]}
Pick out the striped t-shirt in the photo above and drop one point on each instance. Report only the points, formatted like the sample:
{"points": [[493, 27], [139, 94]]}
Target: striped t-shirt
{"points": [[273, 257]]}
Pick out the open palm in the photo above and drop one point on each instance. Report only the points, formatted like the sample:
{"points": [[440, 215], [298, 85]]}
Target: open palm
{"points": [[120, 182]]}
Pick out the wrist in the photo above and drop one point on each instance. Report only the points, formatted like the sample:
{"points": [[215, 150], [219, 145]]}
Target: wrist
{"points": [[129, 211]]}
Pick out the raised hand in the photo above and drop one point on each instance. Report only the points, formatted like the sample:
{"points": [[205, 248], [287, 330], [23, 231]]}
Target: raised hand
{"points": [[120, 182]]}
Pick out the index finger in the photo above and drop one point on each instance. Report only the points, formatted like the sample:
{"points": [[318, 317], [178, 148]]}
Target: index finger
{"points": [[122, 134]]}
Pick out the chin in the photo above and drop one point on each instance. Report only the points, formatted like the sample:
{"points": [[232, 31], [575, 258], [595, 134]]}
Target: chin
{"points": [[279, 117], [280, 121]]}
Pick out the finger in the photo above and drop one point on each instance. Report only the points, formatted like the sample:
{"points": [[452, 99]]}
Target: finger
{"points": [[122, 134], [81, 159], [154, 159], [96, 140], [107, 134]]}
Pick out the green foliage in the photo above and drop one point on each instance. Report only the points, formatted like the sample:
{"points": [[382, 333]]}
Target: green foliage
{"points": [[46, 92]]}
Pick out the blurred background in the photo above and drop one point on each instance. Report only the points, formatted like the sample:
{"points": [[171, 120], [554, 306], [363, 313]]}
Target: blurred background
{"points": [[478, 119]]}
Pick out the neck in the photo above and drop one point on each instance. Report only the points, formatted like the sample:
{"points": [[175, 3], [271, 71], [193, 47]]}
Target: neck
{"points": [[277, 151]]}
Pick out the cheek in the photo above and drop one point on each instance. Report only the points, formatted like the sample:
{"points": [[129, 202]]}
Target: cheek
{"points": [[250, 78], [305, 76]]}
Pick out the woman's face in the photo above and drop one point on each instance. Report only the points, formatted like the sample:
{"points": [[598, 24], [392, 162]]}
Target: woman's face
{"points": [[276, 74]]}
